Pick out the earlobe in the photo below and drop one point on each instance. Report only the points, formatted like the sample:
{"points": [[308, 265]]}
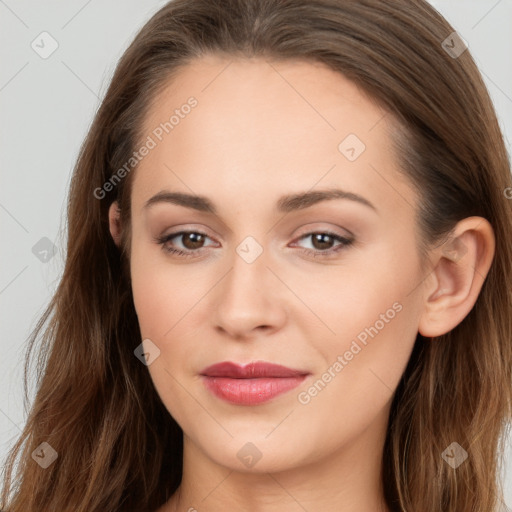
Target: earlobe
{"points": [[114, 220], [462, 264]]}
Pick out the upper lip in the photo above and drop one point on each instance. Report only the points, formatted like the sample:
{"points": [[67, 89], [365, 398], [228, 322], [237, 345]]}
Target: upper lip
{"points": [[250, 371]]}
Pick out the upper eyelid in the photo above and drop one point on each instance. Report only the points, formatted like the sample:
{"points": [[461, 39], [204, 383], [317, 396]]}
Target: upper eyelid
{"points": [[308, 230], [297, 238], [181, 232]]}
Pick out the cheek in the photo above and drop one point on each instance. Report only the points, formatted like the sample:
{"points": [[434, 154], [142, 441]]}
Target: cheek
{"points": [[161, 293], [369, 317], [151, 302], [350, 298], [161, 302], [170, 300], [361, 365]]}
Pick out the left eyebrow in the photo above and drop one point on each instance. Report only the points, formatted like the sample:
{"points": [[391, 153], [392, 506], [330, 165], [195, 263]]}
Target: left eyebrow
{"points": [[285, 204]]}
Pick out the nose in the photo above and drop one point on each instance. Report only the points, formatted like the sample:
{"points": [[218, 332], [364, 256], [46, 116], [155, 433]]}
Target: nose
{"points": [[249, 299]]}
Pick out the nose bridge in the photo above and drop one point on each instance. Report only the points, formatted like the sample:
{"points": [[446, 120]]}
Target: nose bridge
{"points": [[247, 297], [253, 237], [249, 267]]}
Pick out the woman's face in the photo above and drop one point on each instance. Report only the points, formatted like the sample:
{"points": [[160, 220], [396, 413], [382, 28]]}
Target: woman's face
{"points": [[266, 276]]}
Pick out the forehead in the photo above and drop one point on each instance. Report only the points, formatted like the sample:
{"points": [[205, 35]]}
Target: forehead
{"points": [[260, 125]]}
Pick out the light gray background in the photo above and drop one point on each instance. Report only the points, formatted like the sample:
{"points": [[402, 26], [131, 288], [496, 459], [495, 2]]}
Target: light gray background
{"points": [[47, 106]]}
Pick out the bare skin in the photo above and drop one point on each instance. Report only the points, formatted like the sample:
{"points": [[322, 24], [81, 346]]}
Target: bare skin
{"points": [[262, 130]]}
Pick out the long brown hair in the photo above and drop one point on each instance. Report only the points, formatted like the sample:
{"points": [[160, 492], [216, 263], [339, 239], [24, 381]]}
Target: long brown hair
{"points": [[118, 447]]}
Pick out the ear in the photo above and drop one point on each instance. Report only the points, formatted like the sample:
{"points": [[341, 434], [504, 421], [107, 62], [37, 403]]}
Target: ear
{"points": [[460, 268], [114, 220]]}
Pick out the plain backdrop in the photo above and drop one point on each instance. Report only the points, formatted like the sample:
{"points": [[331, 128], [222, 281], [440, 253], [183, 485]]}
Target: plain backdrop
{"points": [[47, 105]]}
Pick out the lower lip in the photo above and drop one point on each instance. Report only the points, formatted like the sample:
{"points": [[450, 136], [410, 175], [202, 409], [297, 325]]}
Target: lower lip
{"points": [[250, 391]]}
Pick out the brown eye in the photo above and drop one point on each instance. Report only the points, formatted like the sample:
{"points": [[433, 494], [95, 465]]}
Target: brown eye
{"points": [[322, 243], [183, 243], [322, 240], [192, 240]]}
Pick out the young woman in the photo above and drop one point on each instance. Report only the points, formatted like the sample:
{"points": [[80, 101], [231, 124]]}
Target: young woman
{"points": [[287, 283]]}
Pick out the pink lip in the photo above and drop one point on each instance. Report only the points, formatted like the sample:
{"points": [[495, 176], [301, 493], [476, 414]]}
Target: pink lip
{"points": [[251, 384]]}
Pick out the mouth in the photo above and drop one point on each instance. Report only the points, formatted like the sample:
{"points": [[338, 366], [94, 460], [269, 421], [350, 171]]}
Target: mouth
{"points": [[252, 384]]}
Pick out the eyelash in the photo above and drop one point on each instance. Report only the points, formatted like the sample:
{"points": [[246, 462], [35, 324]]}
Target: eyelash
{"points": [[344, 243]]}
